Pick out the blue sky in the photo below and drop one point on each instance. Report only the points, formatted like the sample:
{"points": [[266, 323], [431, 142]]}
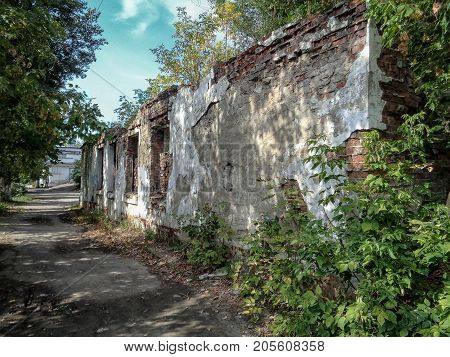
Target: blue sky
{"points": [[131, 28]]}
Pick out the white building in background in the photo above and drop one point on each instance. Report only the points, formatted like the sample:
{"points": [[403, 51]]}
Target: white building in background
{"points": [[62, 171]]}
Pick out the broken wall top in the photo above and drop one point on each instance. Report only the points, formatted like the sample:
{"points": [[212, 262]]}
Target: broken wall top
{"points": [[319, 35]]}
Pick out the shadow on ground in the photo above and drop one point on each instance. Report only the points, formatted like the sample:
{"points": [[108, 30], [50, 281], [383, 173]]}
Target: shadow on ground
{"points": [[55, 283]]}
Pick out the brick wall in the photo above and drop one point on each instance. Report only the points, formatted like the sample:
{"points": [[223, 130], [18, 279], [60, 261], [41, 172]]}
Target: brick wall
{"points": [[319, 73]]}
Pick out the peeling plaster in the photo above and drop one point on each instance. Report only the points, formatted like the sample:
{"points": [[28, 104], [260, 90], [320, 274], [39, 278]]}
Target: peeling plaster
{"points": [[356, 106], [120, 185], [188, 107]]}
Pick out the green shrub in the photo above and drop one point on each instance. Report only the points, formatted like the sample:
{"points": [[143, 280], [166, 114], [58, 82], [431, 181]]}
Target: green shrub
{"points": [[3, 208], [22, 199], [207, 233], [76, 173], [378, 267], [18, 189]]}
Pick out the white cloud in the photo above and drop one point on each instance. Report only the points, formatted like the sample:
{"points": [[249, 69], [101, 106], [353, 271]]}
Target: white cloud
{"points": [[130, 8], [145, 12]]}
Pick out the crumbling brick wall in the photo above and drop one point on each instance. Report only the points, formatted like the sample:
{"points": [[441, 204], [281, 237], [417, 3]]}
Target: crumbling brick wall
{"points": [[240, 136], [321, 47], [318, 76]]}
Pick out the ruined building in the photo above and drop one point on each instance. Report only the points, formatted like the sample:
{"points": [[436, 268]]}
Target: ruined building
{"points": [[241, 133]]}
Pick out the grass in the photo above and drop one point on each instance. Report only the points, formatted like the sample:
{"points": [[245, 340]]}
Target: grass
{"points": [[8, 207], [22, 199]]}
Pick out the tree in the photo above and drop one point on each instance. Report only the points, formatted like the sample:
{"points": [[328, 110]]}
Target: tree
{"points": [[197, 48], [43, 44], [226, 14], [257, 18], [194, 50]]}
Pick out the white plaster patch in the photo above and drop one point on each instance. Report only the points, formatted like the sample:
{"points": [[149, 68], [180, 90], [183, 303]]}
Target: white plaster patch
{"points": [[357, 106], [188, 107], [120, 185], [333, 25], [143, 191]]}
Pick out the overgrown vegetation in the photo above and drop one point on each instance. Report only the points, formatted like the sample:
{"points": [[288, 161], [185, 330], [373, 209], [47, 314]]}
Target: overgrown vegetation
{"points": [[19, 197], [22, 198], [208, 233], [150, 234], [96, 217], [196, 49], [257, 18], [378, 267], [419, 30], [128, 107], [198, 45]]}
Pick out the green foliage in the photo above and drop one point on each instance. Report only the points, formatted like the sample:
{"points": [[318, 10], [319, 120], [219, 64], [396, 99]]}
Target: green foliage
{"points": [[96, 217], [76, 173], [257, 18], [419, 29], [22, 198], [378, 267], [43, 44], [196, 49], [18, 189], [207, 233]]}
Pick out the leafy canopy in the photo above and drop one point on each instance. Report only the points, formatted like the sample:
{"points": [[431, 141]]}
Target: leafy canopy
{"points": [[43, 44], [128, 107], [195, 51]]}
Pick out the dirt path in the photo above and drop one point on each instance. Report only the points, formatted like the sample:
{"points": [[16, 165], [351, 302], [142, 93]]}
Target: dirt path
{"points": [[54, 283]]}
